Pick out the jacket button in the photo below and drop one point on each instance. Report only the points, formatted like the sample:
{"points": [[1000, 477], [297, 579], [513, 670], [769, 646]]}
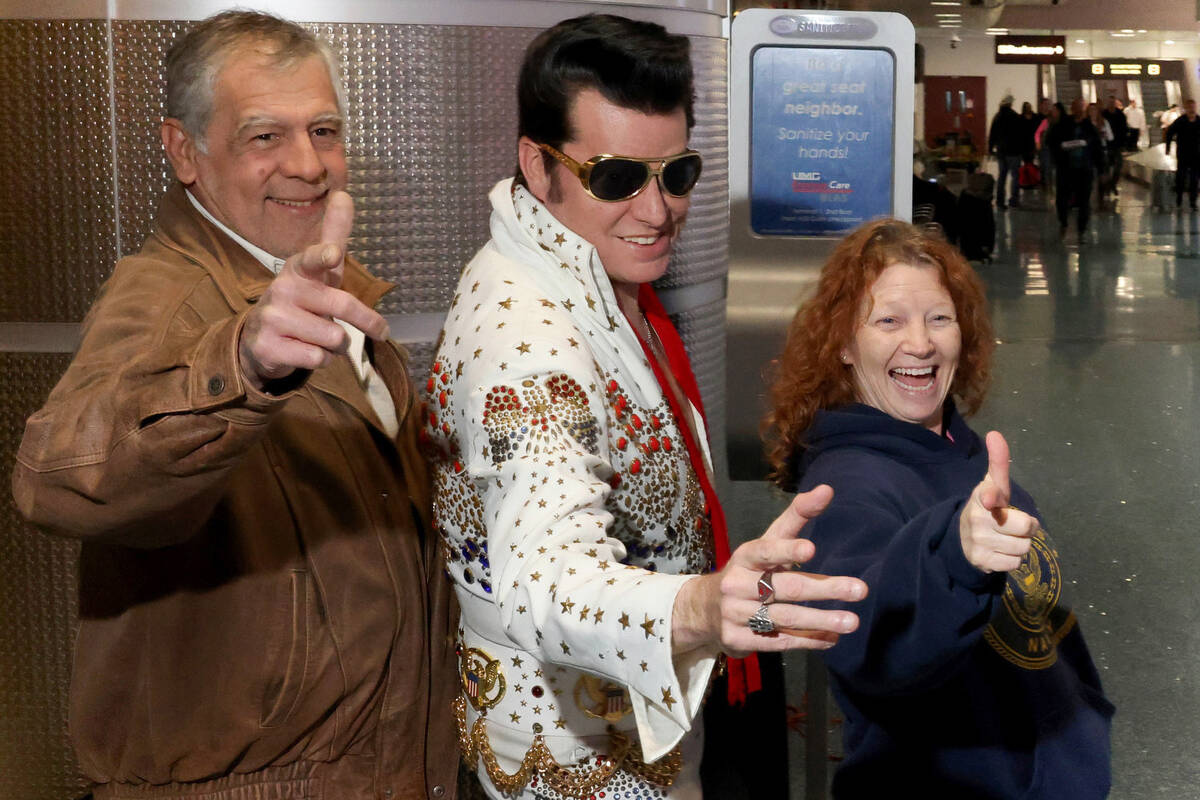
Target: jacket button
{"points": [[216, 385], [388, 793], [439, 791]]}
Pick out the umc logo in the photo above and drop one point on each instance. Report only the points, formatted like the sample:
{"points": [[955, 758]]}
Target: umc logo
{"points": [[812, 183]]}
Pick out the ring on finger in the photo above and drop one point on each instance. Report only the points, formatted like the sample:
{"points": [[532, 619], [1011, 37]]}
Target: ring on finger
{"points": [[766, 589], [761, 622]]}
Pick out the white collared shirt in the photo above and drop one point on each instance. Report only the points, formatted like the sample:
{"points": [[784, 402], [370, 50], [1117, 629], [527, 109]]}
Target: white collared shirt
{"points": [[372, 384]]}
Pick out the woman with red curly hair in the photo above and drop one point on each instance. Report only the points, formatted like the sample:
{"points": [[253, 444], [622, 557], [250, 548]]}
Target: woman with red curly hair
{"points": [[968, 674]]}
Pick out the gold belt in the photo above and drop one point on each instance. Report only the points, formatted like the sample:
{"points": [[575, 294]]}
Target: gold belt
{"points": [[576, 782]]}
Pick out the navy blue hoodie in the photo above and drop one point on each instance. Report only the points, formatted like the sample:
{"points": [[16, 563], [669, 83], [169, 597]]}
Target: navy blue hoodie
{"points": [[957, 683]]}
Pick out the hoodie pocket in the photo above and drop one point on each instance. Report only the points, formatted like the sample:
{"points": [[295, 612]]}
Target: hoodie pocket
{"points": [[283, 691]]}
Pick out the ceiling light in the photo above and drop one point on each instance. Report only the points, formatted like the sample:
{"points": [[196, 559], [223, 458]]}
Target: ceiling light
{"points": [[997, 31], [1080, 41], [1169, 41], [945, 3], [949, 16], [1141, 30], [1122, 35], [1126, 30]]}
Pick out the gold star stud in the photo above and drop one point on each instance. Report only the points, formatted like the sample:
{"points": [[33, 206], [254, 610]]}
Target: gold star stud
{"points": [[667, 699], [648, 627]]}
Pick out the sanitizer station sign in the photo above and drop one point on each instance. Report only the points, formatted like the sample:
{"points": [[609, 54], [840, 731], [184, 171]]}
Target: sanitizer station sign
{"points": [[821, 139]]}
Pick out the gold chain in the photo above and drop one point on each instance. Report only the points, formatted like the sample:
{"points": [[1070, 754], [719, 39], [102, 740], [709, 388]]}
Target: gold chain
{"points": [[538, 760]]}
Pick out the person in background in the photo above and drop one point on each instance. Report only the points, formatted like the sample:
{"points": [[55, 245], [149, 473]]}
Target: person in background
{"points": [[573, 485], [1166, 117], [1185, 133], [262, 611], [1135, 121], [1006, 141], [1115, 117], [1032, 120], [1103, 176], [1051, 114], [969, 676], [1078, 157]]}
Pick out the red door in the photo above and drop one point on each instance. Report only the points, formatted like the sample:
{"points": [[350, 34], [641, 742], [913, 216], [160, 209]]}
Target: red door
{"points": [[954, 105]]}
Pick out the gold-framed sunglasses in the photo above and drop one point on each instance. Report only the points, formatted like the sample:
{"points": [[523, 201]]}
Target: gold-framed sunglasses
{"points": [[611, 178]]}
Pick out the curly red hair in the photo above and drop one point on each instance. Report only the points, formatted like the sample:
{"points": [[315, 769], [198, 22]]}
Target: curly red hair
{"points": [[810, 375]]}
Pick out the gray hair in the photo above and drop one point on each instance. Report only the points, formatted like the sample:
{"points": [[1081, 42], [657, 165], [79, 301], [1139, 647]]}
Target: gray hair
{"points": [[194, 62]]}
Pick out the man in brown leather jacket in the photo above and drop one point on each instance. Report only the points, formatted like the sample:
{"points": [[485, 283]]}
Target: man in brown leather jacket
{"points": [[262, 611]]}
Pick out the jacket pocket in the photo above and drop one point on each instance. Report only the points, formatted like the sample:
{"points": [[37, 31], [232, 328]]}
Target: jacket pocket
{"points": [[283, 692]]}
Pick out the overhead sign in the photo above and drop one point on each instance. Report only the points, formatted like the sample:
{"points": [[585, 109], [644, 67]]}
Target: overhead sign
{"points": [[1031, 49], [1091, 69]]}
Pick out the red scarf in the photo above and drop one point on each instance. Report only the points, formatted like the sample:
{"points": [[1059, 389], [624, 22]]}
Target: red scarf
{"points": [[743, 673]]}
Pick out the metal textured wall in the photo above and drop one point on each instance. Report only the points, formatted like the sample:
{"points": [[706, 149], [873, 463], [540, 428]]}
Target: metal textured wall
{"points": [[703, 251], [57, 241], [37, 613], [433, 123]]}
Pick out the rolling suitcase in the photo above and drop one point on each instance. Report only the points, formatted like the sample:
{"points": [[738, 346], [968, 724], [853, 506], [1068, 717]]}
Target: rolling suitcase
{"points": [[976, 227], [981, 184]]}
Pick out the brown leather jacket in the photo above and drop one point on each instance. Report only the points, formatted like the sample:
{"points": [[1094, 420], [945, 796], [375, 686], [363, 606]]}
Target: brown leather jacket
{"points": [[262, 603]]}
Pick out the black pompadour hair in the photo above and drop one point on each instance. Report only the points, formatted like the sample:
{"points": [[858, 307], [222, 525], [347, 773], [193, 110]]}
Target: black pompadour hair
{"points": [[633, 64]]}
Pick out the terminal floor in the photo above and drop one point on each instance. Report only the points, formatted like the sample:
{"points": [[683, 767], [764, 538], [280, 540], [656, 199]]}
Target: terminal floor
{"points": [[1097, 389]]}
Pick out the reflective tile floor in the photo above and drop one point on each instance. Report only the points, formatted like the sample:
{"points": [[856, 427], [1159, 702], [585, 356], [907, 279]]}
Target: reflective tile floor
{"points": [[1096, 387]]}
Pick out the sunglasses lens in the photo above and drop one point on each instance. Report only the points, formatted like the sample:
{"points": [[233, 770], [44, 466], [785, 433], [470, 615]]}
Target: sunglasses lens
{"points": [[681, 175], [617, 178]]}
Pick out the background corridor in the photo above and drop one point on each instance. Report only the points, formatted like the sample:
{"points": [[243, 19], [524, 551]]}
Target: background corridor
{"points": [[1095, 387]]}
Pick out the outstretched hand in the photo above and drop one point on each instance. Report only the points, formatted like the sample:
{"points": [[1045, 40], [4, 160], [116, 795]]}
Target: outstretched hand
{"points": [[714, 609], [995, 536], [291, 327]]}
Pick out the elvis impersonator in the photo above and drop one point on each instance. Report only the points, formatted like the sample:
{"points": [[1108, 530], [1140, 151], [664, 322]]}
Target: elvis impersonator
{"points": [[573, 483]]}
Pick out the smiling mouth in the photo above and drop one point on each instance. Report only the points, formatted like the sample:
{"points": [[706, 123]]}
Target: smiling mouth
{"points": [[641, 240], [914, 379], [299, 203]]}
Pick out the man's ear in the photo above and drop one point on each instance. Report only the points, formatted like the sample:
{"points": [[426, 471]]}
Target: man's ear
{"points": [[533, 167], [181, 150]]}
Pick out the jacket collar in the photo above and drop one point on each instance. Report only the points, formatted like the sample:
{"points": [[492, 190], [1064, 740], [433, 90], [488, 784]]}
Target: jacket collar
{"points": [[520, 220], [241, 278]]}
